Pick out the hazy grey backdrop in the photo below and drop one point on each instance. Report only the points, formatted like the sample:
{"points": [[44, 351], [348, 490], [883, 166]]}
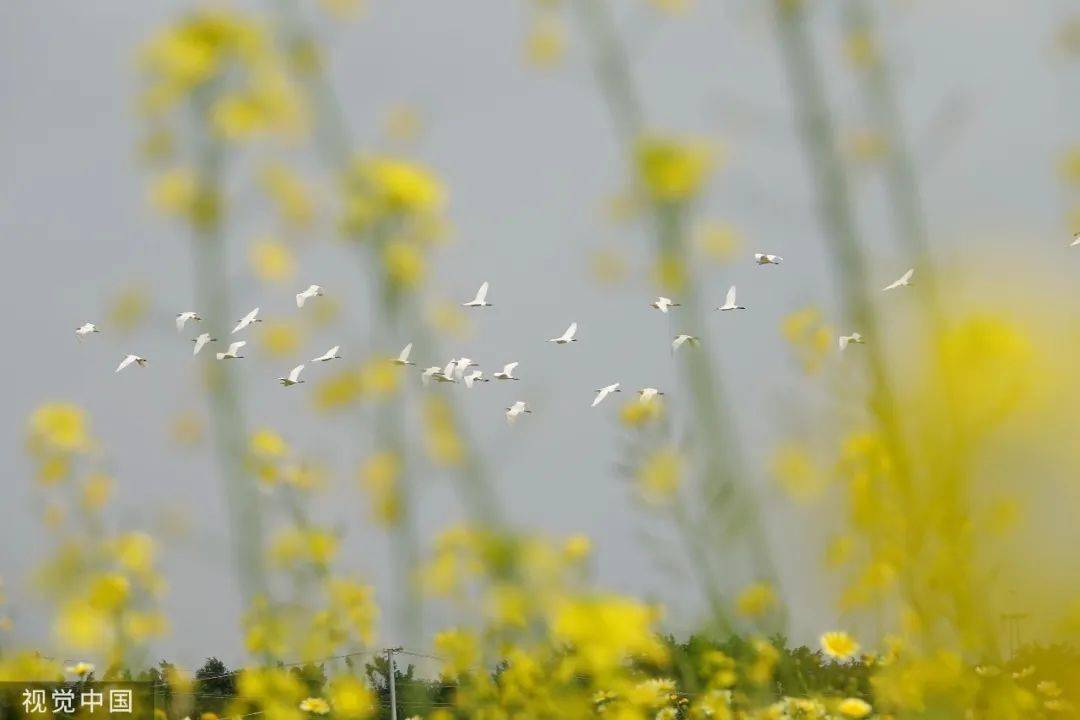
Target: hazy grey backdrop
{"points": [[529, 158]]}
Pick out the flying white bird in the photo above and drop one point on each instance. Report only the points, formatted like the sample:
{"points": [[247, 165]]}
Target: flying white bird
{"points": [[662, 304], [128, 359], [251, 317], [293, 378], [766, 259], [566, 337], [85, 329], [1076, 240], [516, 409], [312, 291], [474, 377], [234, 348], [507, 372], [183, 318], [461, 365], [647, 394], [854, 338], [604, 392], [447, 375], [331, 354], [481, 298], [425, 377], [200, 342], [904, 281], [403, 356], [729, 301], [681, 340]]}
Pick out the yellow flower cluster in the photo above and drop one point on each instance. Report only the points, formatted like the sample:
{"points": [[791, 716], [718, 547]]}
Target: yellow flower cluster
{"points": [[252, 93], [673, 170]]}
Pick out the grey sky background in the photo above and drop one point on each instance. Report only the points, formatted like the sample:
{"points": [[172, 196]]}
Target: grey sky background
{"points": [[529, 158]]}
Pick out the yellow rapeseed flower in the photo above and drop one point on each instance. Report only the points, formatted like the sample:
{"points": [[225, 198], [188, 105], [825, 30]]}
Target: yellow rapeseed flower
{"points": [[660, 475], [672, 169], [279, 338], [839, 645], [350, 698], [380, 475], [636, 414], [271, 260], [81, 626], [717, 240], [135, 551], [545, 44], [267, 443], [290, 194], [404, 187], [60, 427], [755, 600], [175, 191], [316, 706], [404, 263], [577, 548], [854, 708]]}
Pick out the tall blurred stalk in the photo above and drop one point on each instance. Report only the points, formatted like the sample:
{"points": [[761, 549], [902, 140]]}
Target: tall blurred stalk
{"points": [[835, 206], [398, 318], [714, 438], [226, 411], [901, 179]]}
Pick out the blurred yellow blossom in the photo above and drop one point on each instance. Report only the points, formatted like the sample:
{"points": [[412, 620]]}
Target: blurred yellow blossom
{"points": [[545, 44], [442, 441], [755, 600], [839, 645], [636, 414], [82, 626], [135, 551], [129, 308], [717, 240], [59, 427], [290, 194], [867, 147], [809, 335], [577, 547], [1070, 166], [605, 632], [271, 260], [267, 443], [279, 338], [314, 705], [860, 49], [350, 698], [380, 475], [796, 472], [660, 475], [404, 263], [339, 390], [448, 318], [672, 169], [175, 191], [854, 708]]}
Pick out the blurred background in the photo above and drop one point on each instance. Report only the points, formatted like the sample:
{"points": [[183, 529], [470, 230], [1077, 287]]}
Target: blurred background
{"points": [[505, 110]]}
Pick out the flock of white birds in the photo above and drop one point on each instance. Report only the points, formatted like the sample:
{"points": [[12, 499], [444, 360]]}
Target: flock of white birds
{"points": [[461, 369]]}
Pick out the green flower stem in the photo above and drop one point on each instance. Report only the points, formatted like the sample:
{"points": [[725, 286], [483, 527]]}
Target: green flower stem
{"points": [[901, 180], [226, 408], [714, 438]]}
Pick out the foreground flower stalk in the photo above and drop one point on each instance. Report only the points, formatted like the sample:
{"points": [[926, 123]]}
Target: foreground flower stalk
{"points": [[723, 494]]}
